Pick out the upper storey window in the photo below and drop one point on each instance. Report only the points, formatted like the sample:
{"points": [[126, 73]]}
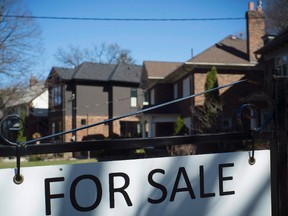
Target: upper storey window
{"points": [[56, 96]]}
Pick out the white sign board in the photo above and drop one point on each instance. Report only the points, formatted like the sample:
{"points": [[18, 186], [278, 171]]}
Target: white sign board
{"points": [[212, 184]]}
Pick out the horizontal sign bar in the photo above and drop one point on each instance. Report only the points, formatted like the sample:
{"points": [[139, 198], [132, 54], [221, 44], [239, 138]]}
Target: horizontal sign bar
{"points": [[118, 144]]}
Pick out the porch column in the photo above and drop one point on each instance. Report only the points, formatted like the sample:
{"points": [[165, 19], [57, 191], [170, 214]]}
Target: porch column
{"points": [[143, 126], [151, 127]]}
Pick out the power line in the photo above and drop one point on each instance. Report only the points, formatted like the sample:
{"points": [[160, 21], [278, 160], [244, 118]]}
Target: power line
{"points": [[125, 19]]}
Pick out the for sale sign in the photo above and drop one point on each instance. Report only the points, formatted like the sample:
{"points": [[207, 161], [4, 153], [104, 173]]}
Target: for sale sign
{"points": [[214, 184]]}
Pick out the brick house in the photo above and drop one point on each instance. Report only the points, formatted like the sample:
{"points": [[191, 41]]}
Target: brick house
{"points": [[92, 93], [234, 60]]}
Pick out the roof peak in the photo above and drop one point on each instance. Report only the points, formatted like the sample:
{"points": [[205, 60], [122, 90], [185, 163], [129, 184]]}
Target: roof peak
{"points": [[231, 49], [99, 72]]}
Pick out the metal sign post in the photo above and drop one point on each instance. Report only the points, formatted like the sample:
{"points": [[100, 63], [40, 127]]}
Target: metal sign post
{"points": [[279, 148]]}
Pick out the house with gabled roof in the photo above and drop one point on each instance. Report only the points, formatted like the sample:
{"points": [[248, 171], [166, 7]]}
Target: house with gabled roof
{"points": [[91, 93], [31, 104], [234, 60]]}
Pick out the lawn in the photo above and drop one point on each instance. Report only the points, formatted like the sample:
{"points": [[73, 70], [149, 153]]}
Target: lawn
{"points": [[12, 164]]}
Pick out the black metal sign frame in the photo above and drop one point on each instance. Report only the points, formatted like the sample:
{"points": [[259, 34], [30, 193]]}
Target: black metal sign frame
{"points": [[29, 148]]}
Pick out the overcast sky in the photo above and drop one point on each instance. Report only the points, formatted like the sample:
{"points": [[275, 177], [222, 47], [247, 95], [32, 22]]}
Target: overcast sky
{"points": [[147, 40]]}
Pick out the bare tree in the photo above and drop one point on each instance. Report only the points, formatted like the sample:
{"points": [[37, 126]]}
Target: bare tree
{"points": [[115, 54], [71, 57], [7, 95], [276, 12], [103, 53], [19, 38]]}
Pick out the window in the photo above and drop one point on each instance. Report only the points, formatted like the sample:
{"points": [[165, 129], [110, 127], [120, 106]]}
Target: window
{"points": [[133, 97], [186, 87], [56, 96], [83, 122], [130, 129], [284, 70], [227, 123], [282, 65], [175, 90], [56, 127], [146, 98]]}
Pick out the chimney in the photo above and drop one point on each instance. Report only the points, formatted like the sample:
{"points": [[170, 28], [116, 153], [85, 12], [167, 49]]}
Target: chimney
{"points": [[255, 24], [32, 81]]}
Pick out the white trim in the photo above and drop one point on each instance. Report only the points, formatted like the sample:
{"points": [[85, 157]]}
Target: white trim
{"points": [[157, 118], [151, 77], [221, 64]]}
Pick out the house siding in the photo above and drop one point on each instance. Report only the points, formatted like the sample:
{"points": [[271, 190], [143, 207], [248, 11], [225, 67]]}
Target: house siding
{"points": [[91, 100], [121, 100], [41, 102], [67, 100], [92, 107]]}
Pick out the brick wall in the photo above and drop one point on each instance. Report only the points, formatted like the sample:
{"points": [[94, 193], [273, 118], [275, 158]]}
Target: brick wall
{"points": [[223, 79], [100, 129]]}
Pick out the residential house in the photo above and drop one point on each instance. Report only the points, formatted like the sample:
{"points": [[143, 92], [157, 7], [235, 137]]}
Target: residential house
{"points": [[275, 55], [31, 104], [153, 74], [92, 93], [234, 60]]}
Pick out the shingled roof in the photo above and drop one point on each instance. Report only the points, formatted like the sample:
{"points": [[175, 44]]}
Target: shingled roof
{"points": [[89, 71], [159, 70], [229, 51], [124, 72], [27, 94], [63, 73]]}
